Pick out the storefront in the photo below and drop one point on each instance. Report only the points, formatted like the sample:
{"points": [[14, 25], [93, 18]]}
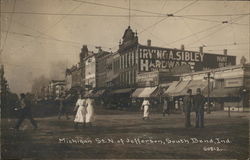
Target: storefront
{"points": [[118, 98], [226, 87]]}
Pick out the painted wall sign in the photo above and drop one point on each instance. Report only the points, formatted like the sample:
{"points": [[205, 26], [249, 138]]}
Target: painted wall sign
{"points": [[155, 58], [234, 82]]}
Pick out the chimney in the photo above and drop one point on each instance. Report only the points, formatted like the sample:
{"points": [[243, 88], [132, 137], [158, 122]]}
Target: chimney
{"points": [[201, 49], [225, 52], [149, 42], [182, 47]]}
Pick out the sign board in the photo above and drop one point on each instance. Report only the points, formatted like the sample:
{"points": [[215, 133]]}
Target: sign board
{"points": [[234, 82], [146, 79], [211, 61], [155, 58]]}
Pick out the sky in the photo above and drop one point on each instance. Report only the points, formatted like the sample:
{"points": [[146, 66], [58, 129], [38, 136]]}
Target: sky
{"points": [[43, 37]]}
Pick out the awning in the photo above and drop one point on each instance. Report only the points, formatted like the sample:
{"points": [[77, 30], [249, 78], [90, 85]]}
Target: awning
{"points": [[137, 92], [177, 88], [194, 84], [121, 91], [160, 90], [143, 92], [225, 92]]}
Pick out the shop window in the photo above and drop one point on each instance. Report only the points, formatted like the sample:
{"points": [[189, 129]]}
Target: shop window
{"points": [[219, 83], [133, 58], [129, 64]]}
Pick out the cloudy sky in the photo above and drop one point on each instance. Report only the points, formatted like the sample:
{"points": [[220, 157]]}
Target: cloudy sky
{"points": [[42, 37]]}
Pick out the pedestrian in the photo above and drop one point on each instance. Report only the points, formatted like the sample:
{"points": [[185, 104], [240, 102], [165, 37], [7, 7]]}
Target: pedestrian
{"points": [[25, 112], [171, 104], [176, 105], [80, 109], [199, 102], [165, 107], [90, 111], [188, 105], [145, 107], [62, 106]]}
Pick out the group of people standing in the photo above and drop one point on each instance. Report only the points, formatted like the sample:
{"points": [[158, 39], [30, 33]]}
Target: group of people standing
{"points": [[84, 111], [194, 103], [191, 103]]}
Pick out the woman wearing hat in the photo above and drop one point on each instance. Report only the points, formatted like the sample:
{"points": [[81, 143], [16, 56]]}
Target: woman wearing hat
{"points": [[81, 111]]}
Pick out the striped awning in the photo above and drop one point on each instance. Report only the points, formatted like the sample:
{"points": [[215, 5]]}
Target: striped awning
{"points": [[177, 88], [143, 92]]}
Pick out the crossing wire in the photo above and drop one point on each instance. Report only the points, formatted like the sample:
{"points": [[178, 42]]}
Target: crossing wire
{"points": [[117, 7], [204, 30], [223, 27], [163, 19], [208, 20], [115, 15]]}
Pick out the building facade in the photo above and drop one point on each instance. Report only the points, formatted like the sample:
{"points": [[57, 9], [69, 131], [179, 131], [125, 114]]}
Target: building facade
{"points": [[56, 88], [112, 70], [226, 87], [136, 59], [101, 68], [90, 71]]}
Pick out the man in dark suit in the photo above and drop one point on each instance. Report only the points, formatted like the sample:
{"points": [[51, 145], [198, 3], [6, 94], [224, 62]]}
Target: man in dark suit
{"points": [[25, 112], [188, 105], [199, 102]]}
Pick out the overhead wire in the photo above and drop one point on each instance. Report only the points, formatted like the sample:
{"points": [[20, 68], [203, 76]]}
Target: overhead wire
{"points": [[208, 20], [117, 7], [56, 23], [196, 36], [165, 2], [163, 19], [10, 23], [116, 15], [210, 34], [217, 45], [201, 31]]}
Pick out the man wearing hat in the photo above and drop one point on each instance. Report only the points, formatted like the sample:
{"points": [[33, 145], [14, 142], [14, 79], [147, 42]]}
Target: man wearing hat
{"points": [[188, 105], [199, 102]]}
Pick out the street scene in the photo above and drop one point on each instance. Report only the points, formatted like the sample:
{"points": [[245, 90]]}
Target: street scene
{"points": [[125, 79], [58, 139]]}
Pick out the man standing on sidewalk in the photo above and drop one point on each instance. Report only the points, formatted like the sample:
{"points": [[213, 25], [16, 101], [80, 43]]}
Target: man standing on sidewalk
{"points": [[188, 105], [199, 102], [25, 112]]}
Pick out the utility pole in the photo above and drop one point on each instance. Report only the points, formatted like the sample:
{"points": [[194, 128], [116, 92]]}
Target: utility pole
{"points": [[208, 93]]}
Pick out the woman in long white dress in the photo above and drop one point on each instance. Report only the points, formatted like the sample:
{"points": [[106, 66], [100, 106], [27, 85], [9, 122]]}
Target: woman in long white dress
{"points": [[145, 108], [90, 111], [81, 111]]}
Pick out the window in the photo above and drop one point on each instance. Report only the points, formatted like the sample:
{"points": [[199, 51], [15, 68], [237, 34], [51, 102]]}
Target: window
{"points": [[125, 60], [133, 58], [122, 64], [129, 59], [129, 77]]}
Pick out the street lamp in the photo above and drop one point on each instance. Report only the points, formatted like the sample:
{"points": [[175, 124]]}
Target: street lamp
{"points": [[208, 77]]}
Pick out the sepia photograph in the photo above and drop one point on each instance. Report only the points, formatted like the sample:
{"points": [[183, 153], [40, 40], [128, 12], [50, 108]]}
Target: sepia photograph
{"points": [[125, 79]]}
